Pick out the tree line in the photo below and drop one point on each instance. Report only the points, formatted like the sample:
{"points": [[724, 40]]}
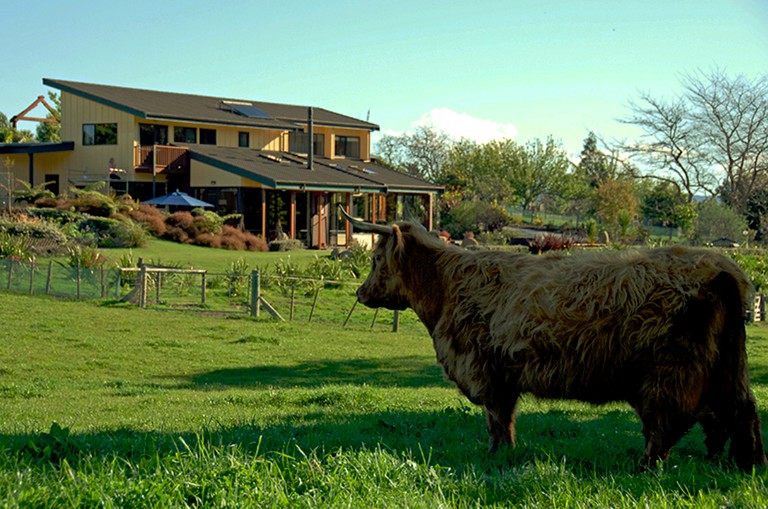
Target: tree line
{"points": [[700, 165]]}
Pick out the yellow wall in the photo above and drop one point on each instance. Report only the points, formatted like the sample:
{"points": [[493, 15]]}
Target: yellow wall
{"points": [[50, 163], [329, 142], [204, 175], [92, 161]]}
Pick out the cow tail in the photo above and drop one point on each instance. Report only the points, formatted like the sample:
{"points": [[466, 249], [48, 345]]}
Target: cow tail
{"points": [[746, 446]]}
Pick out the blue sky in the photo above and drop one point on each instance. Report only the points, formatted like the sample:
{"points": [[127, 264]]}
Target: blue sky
{"points": [[523, 69]]}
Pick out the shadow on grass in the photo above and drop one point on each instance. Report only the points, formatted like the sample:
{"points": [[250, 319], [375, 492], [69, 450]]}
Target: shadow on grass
{"points": [[553, 447], [409, 371]]}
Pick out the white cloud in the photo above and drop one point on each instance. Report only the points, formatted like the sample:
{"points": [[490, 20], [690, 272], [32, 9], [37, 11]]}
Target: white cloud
{"points": [[460, 125]]}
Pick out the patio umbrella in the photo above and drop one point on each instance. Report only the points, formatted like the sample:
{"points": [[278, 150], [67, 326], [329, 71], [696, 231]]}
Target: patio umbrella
{"points": [[178, 199]]}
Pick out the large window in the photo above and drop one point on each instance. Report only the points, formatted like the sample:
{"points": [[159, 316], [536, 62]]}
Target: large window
{"points": [[207, 136], [99, 134], [297, 142], [347, 146], [185, 134], [153, 134]]}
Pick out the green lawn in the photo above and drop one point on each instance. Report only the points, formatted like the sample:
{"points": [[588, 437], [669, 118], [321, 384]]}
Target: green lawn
{"points": [[161, 252], [165, 409]]}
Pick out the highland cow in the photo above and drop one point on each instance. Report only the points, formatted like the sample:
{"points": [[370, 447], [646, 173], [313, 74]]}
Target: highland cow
{"points": [[662, 329]]}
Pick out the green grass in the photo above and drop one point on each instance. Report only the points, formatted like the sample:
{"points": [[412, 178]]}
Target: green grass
{"points": [[199, 257], [164, 409]]}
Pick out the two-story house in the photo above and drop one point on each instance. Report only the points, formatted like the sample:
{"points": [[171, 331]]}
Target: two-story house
{"points": [[244, 156]]}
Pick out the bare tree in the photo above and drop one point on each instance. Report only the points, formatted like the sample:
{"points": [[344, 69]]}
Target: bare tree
{"points": [[712, 139]]}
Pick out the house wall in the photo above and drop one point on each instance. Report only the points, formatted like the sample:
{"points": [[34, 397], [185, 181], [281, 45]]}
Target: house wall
{"points": [[17, 166], [329, 141], [92, 162], [204, 175]]}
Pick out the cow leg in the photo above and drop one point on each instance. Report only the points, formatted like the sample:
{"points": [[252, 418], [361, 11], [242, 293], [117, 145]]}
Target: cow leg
{"points": [[662, 431], [500, 421], [747, 440], [716, 432]]}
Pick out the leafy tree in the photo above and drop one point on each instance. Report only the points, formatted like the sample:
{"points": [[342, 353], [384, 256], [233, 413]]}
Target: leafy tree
{"points": [[615, 201], [715, 220], [10, 135], [535, 170], [422, 153]]}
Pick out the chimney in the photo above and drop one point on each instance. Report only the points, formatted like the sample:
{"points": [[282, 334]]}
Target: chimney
{"points": [[310, 141]]}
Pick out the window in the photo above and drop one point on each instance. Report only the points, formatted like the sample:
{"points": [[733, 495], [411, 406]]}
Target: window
{"points": [[243, 139], [99, 134], [151, 134], [185, 134], [207, 136], [297, 142], [347, 146]]}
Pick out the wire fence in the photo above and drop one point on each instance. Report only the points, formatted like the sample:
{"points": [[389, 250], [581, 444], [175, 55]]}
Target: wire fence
{"points": [[263, 296]]}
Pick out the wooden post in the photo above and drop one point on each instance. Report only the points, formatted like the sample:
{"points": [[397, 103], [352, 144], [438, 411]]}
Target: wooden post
{"points": [[79, 277], [264, 215], [158, 284], [103, 284], [31, 278], [10, 274], [202, 289], [349, 315], [48, 278], [293, 293], [292, 220], [255, 293], [347, 225], [396, 321], [375, 315], [143, 286], [314, 303]]}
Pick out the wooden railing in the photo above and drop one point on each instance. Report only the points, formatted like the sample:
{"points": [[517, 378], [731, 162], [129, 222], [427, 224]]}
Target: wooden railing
{"points": [[167, 160]]}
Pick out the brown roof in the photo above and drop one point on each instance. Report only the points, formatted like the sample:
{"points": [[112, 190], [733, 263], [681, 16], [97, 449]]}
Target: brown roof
{"points": [[151, 104], [282, 170]]}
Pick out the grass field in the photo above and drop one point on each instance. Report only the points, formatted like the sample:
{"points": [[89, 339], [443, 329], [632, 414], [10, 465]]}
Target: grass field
{"points": [[107, 405]]}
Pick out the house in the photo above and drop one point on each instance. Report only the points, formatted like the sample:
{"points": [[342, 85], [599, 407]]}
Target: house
{"points": [[248, 157]]}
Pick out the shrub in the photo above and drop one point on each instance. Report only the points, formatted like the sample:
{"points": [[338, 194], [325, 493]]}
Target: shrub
{"points": [[85, 257], [16, 247], [549, 242], [151, 217], [475, 216], [717, 221], [254, 242], [35, 228], [285, 245], [232, 238]]}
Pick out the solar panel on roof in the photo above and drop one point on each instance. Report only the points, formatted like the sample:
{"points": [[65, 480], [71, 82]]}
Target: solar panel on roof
{"points": [[248, 110]]}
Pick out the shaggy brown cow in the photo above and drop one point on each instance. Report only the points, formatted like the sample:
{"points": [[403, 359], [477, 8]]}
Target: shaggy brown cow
{"points": [[660, 329]]}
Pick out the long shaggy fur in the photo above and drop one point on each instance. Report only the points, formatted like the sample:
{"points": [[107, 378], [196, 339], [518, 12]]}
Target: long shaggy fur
{"points": [[661, 329]]}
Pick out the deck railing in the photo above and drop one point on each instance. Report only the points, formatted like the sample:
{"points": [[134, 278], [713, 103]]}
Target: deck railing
{"points": [[168, 159]]}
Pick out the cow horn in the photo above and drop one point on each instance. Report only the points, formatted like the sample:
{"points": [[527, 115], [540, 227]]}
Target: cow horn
{"points": [[363, 226]]}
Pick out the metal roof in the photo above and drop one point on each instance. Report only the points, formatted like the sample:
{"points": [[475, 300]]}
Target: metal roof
{"points": [[281, 170], [152, 104]]}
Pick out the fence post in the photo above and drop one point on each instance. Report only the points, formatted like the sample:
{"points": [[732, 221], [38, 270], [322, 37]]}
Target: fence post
{"points": [[78, 279], [143, 286], [293, 293], [10, 274], [103, 284], [255, 293], [314, 304], [48, 278], [202, 289], [396, 321], [32, 278]]}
